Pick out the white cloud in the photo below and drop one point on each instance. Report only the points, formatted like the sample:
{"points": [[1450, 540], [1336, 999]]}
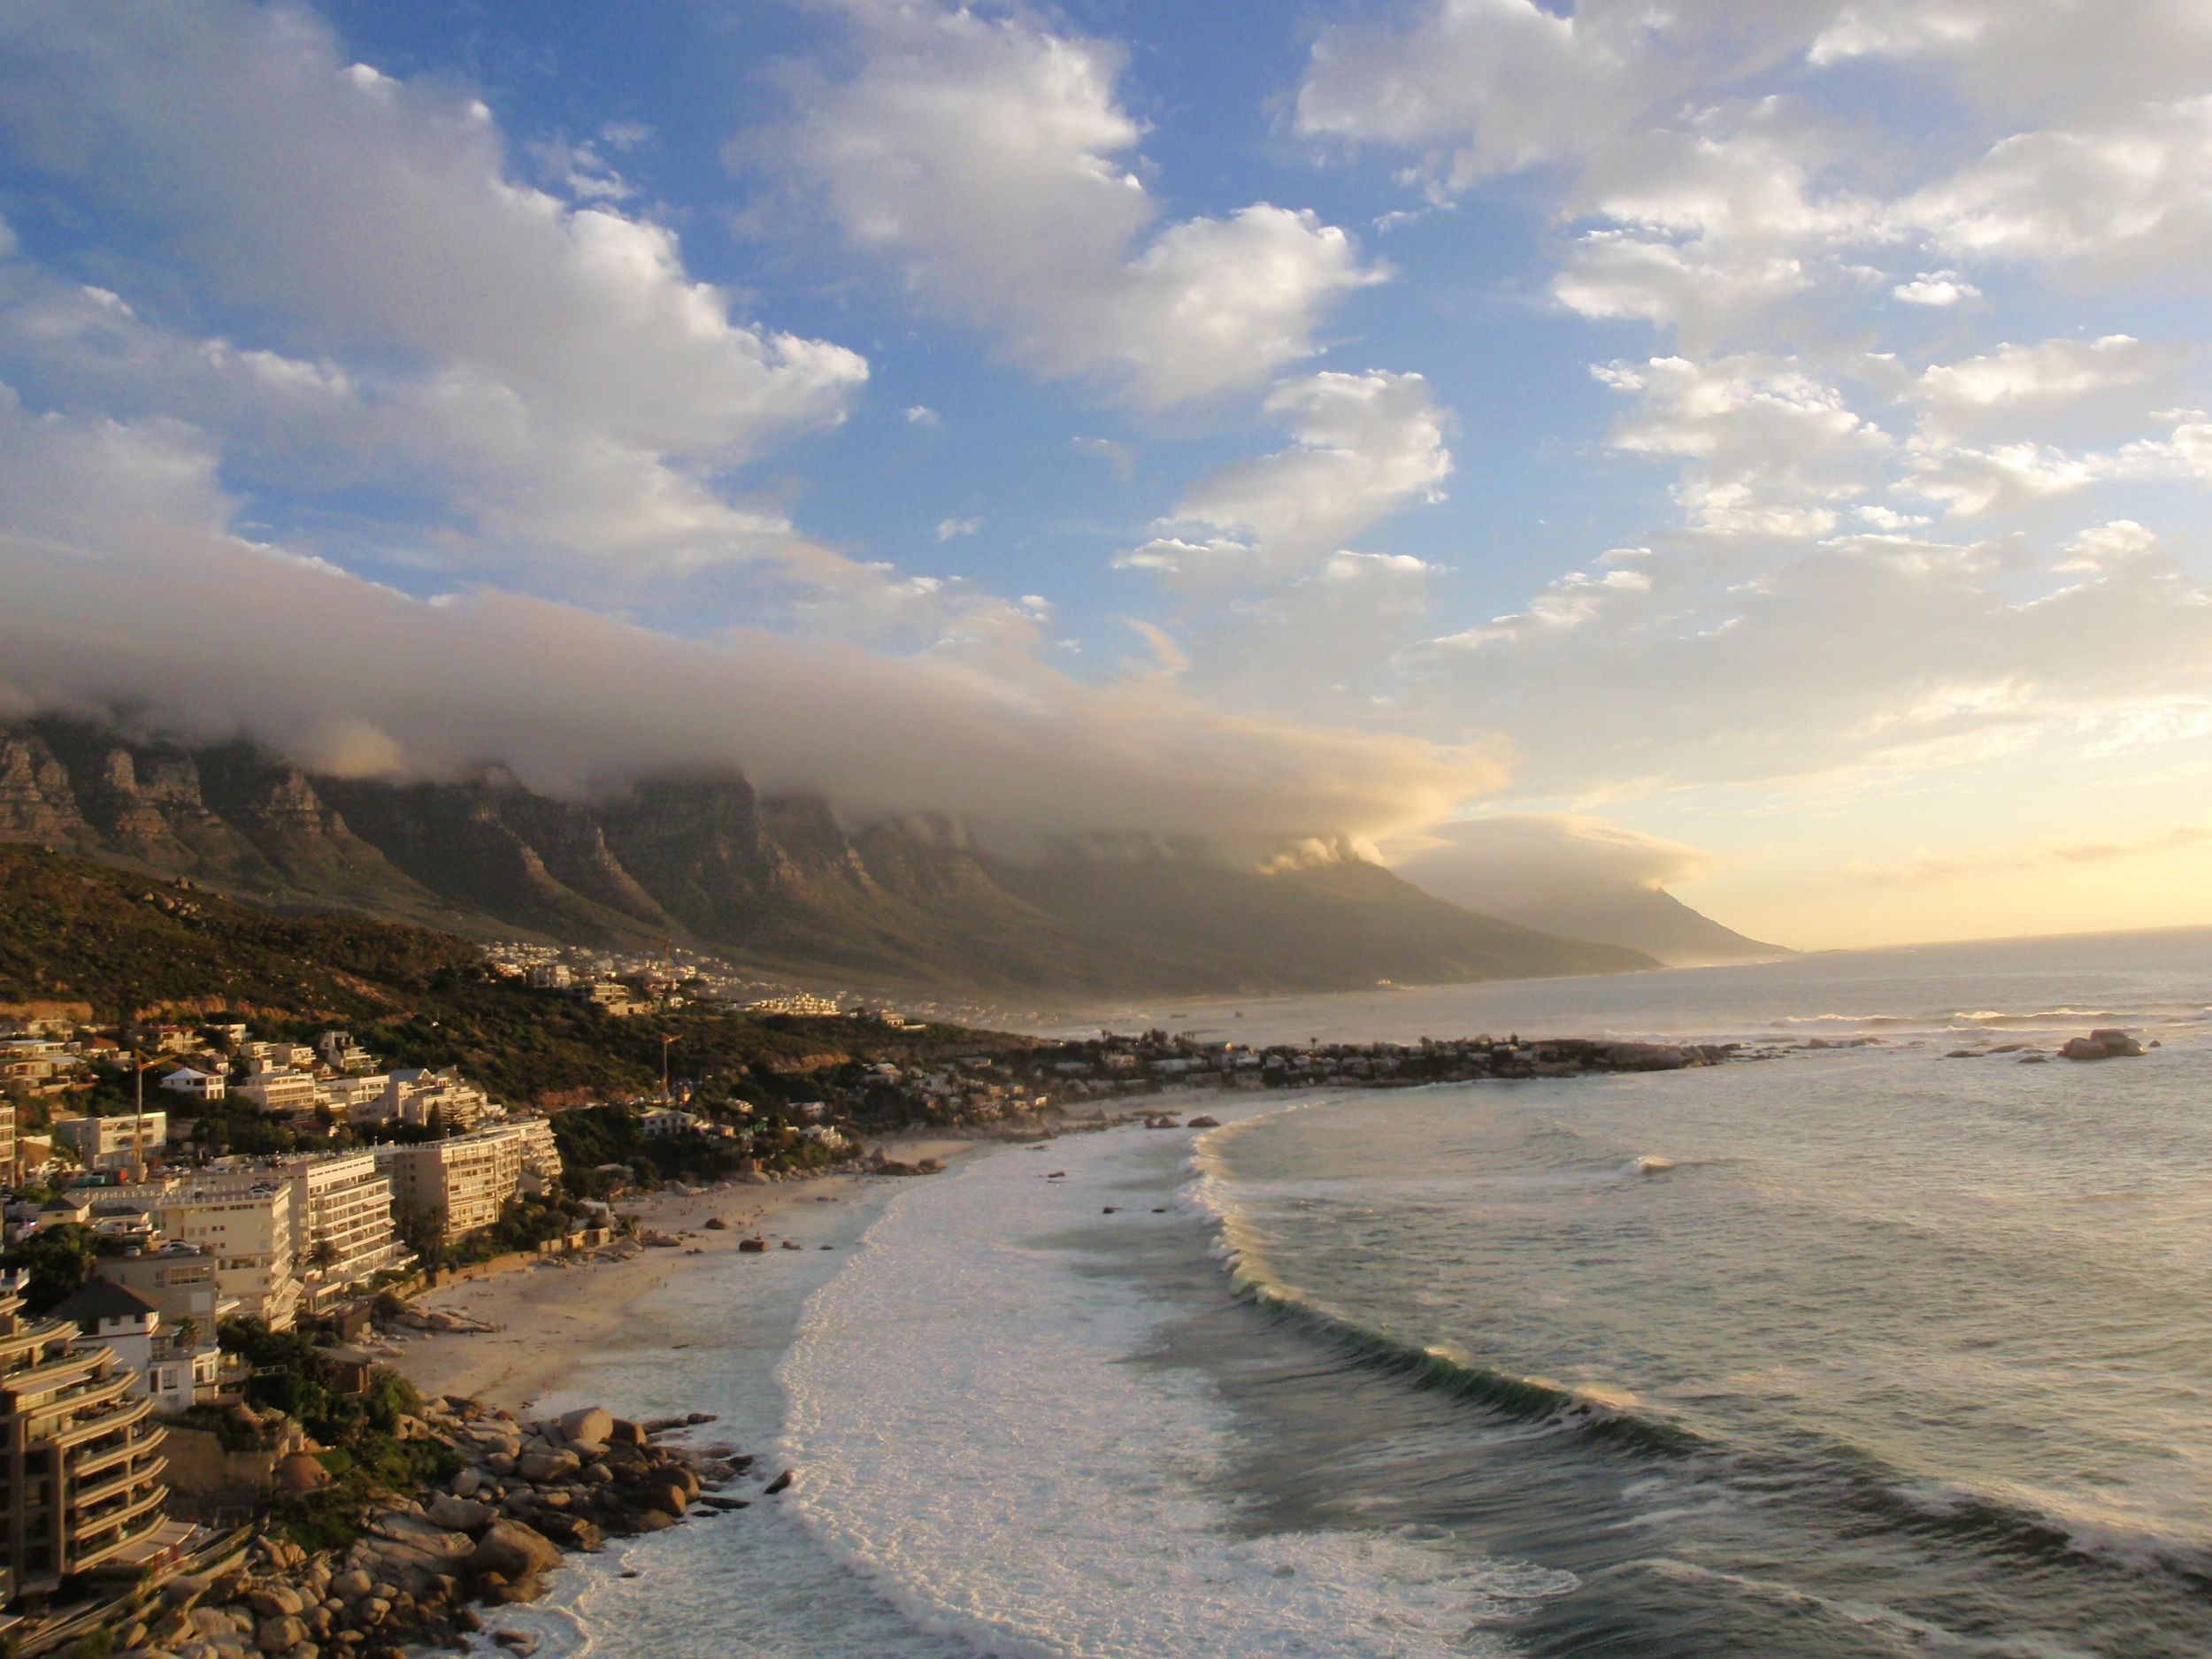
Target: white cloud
{"points": [[2034, 56], [1936, 289], [1770, 450], [1845, 662], [1512, 861], [989, 158], [1367, 445], [923, 415], [2015, 383], [2124, 195], [949, 528], [553, 367], [107, 541], [1486, 86]]}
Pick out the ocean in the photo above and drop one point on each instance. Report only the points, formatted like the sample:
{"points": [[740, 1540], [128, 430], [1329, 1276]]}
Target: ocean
{"points": [[1860, 1350]]}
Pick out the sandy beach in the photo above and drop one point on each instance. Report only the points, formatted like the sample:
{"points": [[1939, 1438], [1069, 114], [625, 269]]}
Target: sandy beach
{"points": [[558, 1324]]}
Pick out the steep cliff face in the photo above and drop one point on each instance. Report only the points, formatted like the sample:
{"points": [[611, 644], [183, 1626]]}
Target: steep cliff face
{"points": [[779, 883], [36, 803]]}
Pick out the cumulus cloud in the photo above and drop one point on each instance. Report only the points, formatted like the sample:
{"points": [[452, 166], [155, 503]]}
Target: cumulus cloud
{"points": [[1770, 450], [1936, 289], [2124, 195], [1366, 446], [551, 367], [2014, 382], [988, 157], [1486, 86]]}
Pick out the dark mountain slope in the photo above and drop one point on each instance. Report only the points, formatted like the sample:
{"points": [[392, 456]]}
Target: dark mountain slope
{"points": [[776, 883]]}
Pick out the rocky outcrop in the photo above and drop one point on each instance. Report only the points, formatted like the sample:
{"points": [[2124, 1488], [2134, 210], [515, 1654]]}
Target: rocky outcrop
{"points": [[491, 1537], [2107, 1044], [36, 803]]}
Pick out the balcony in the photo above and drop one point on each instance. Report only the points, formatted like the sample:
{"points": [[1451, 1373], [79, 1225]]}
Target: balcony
{"points": [[87, 1500]]}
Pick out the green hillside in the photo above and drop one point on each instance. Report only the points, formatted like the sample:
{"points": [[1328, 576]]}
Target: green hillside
{"points": [[129, 946]]}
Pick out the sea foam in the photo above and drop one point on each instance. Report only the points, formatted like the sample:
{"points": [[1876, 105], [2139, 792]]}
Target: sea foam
{"points": [[974, 1431]]}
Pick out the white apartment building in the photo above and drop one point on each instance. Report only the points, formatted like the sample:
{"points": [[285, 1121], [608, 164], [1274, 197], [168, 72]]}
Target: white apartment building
{"points": [[8, 1171], [196, 1085], [414, 1096], [464, 1182], [171, 1366], [113, 1143], [341, 1053], [243, 1219], [277, 1088], [341, 1224], [349, 1094], [540, 1153]]}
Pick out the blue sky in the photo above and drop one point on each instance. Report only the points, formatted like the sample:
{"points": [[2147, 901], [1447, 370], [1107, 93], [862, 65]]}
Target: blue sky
{"points": [[1764, 443]]}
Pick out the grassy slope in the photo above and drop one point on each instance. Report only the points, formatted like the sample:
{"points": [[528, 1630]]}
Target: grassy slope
{"points": [[132, 945]]}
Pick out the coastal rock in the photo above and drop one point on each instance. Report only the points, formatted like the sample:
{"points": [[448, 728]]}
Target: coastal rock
{"points": [[1204, 1120], [539, 1467], [514, 1551], [460, 1515], [591, 1423], [279, 1635], [2106, 1044]]}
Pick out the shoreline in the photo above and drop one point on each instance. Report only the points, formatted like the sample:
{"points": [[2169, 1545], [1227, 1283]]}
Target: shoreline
{"points": [[554, 1323]]}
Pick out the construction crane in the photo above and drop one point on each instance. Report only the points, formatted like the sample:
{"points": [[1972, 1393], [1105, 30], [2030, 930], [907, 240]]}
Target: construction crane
{"points": [[138, 1127]]}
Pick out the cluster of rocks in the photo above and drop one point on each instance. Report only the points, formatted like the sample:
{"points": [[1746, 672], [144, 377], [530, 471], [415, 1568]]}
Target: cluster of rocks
{"points": [[524, 1494], [2108, 1044]]}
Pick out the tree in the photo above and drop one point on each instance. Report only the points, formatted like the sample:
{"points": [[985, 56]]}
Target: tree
{"points": [[58, 1260]]}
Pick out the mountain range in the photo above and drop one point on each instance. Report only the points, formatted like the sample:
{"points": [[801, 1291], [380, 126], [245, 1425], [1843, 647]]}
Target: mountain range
{"points": [[778, 884]]}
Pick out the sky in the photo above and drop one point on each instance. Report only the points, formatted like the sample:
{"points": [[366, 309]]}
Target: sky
{"points": [[1760, 444]]}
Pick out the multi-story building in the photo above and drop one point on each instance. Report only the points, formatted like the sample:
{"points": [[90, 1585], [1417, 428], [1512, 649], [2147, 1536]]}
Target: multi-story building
{"points": [[341, 1053], [195, 1083], [81, 1459], [114, 1143], [243, 1219], [341, 1224], [8, 1171], [176, 1366], [180, 1279], [416, 1097], [277, 1088], [464, 1182], [540, 1153], [349, 1094]]}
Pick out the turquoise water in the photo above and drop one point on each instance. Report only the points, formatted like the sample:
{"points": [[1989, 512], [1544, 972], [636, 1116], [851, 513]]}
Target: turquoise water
{"points": [[1857, 1351]]}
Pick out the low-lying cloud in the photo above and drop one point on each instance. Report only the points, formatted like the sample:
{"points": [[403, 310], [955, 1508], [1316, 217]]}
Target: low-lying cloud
{"points": [[1515, 861], [196, 634]]}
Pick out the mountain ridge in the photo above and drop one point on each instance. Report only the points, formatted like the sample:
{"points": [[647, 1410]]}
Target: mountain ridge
{"points": [[776, 883]]}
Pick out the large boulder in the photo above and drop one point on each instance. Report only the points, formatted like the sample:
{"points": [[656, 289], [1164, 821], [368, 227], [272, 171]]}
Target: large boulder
{"points": [[514, 1550], [276, 1600], [280, 1635], [591, 1423], [460, 1515], [538, 1468]]}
